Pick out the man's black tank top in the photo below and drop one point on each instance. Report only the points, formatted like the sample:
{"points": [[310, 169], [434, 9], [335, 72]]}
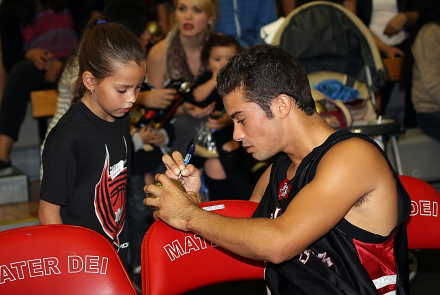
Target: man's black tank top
{"points": [[348, 259]]}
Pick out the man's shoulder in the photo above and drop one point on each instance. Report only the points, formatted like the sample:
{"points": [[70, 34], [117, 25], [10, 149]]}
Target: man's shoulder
{"points": [[354, 151]]}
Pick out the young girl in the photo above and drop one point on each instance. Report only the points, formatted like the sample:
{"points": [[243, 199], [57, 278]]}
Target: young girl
{"points": [[227, 176], [86, 154]]}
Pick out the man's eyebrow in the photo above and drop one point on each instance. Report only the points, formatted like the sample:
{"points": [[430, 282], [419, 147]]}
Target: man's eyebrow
{"points": [[235, 114]]}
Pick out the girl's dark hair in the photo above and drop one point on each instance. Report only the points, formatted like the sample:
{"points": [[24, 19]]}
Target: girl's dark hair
{"points": [[217, 40], [103, 49], [429, 12], [26, 8]]}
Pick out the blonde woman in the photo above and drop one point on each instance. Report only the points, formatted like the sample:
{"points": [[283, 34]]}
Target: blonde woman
{"points": [[179, 56]]}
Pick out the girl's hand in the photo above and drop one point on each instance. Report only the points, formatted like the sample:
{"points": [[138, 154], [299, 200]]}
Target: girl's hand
{"points": [[197, 112], [147, 134], [158, 140], [54, 71], [158, 98], [219, 123], [40, 57], [214, 76]]}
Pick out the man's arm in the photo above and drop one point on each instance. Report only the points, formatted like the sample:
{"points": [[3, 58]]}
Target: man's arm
{"points": [[49, 213], [261, 186], [347, 172]]}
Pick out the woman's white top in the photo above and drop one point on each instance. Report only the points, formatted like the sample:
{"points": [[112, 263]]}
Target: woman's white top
{"points": [[383, 12]]}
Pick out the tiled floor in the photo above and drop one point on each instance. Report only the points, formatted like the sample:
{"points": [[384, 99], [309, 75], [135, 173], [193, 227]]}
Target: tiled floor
{"points": [[23, 213]]}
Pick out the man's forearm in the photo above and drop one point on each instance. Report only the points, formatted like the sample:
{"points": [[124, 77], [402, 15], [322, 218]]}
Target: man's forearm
{"points": [[254, 238]]}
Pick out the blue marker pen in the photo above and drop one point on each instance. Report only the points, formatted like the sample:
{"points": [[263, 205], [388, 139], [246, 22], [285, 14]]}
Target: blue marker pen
{"points": [[188, 157]]}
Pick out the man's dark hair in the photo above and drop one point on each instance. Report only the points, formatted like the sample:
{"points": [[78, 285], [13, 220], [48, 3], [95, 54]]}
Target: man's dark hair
{"points": [[261, 73]]}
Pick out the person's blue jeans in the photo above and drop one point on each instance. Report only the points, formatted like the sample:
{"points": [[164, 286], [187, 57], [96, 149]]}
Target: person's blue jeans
{"points": [[429, 123], [139, 217]]}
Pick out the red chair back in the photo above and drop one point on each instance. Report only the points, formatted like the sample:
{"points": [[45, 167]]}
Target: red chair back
{"points": [[423, 225], [60, 259], [174, 262]]}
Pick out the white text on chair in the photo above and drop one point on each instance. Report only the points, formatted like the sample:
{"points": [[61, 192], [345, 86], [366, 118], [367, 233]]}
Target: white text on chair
{"points": [[50, 266], [191, 243], [424, 208]]}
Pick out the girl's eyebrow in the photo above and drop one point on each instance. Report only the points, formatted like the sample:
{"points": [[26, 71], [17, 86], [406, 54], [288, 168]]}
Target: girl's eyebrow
{"points": [[126, 85]]}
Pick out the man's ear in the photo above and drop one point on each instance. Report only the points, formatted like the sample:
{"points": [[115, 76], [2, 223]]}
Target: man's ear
{"points": [[283, 104], [89, 80]]}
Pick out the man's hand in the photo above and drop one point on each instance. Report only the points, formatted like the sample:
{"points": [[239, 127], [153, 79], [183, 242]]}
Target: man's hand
{"points": [[190, 175], [175, 207]]}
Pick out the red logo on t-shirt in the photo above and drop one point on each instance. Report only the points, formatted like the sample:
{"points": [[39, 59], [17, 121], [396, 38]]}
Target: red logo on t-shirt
{"points": [[110, 199], [284, 189]]}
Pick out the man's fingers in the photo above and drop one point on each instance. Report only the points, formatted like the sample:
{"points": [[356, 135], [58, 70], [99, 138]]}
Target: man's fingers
{"points": [[193, 195], [171, 162], [156, 215], [170, 174], [153, 189], [178, 159]]}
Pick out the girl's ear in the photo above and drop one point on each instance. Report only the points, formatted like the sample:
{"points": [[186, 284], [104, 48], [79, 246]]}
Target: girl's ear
{"points": [[89, 80]]}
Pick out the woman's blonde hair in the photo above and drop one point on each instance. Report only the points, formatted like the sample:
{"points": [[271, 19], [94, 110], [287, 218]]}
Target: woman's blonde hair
{"points": [[208, 6]]}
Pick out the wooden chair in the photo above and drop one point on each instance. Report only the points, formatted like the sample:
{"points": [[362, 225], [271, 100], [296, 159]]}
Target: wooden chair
{"points": [[60, 259], [394, 67], [44, 105], [175, 262]]}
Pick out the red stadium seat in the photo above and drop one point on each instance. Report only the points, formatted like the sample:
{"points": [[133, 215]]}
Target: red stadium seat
{"points": [[60, 259], [175, 262], [423, 225]]}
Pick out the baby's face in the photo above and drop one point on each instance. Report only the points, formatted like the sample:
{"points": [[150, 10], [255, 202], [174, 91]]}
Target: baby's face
{"points": [[219, 56]]}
